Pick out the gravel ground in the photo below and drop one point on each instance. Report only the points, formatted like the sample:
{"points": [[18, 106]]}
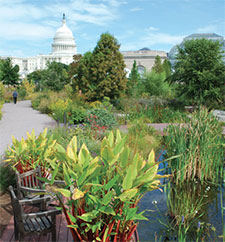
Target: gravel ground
{"points": [[18, 119]]}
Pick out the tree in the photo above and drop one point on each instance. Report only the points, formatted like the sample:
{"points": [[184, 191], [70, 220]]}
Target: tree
{"points": [[9, 73], [37, 77], [167, 67], [133, 80], [103, 71], [200, 71], [56, 76], [158, 68]]}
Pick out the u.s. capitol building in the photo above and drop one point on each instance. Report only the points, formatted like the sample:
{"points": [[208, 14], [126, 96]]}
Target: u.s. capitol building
{"points": [[63, 49]]}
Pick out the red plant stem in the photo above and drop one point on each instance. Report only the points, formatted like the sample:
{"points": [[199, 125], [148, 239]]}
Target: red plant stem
{"points": [[131, 232], [110, 230], [74, 231], [117, 230]]}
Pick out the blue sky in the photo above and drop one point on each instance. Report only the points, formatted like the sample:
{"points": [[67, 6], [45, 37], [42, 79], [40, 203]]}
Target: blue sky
{"points": [[27, 27]]}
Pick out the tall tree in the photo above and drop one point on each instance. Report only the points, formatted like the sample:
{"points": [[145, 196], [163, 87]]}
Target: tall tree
{"points": [[9, 73], [158, 68], [200, 71], [167, 67], [56, 76], [133, 80], [106, 75]]}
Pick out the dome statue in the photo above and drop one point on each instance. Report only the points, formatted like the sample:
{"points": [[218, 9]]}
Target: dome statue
{"points": [[64, 42]]}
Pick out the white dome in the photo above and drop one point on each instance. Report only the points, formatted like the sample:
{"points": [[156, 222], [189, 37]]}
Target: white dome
{"points": [[63, 42]]}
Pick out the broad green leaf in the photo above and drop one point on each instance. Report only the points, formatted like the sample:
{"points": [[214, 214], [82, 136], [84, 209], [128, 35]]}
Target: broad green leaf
{"points": [[111, 182], [70, 153], [72, 226], [120, 146], [93, 198], [128, 194], [88, 217], [151, 158], [72, 218], [107, 198], [107, 210], [118, 136], [64, 192], [66, 175], [54, 174], [107, 154], [84, 156], [73, 144], [111, 138], [77, 194], [128, 180], [59, 148], [124, 156]]}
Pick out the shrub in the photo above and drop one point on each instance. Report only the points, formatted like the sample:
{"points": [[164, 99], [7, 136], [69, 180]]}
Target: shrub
{"points": [[7, 177], [142, 137], [37, 99], [27, 154], [76, 114], [101, 118], [43, 106], [2, 91]]}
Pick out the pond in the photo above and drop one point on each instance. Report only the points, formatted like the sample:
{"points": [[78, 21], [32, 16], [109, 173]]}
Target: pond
{"points": [[159, 226]]}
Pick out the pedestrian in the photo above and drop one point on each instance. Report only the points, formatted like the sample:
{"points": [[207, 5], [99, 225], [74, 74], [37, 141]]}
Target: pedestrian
{"points": [[15, 94]]}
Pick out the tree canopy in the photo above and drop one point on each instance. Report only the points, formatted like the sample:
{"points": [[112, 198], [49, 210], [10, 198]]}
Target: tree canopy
{"points": [[9, 74], [200, 71], [101, 72]]}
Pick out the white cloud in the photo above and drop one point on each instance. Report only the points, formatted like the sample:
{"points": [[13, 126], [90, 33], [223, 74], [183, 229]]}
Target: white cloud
{"points": [[26, 19], [216, 27], [152, 28], [136, 9]]}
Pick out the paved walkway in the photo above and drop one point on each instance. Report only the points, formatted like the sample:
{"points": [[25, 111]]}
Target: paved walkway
{"points": [[18, 119]]}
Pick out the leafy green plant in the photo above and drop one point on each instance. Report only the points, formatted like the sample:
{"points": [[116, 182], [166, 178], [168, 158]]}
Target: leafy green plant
{"points": [[7, 177], [101, 118], [36, 101], [200, 146], [142, 137], [27, 154], [102, 193]]}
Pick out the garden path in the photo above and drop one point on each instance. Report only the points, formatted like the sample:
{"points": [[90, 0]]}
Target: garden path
{"points": [[17, 120]]}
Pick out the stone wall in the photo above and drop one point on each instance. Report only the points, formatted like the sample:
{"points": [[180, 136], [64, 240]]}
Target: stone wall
{"points": [[145, 58]]}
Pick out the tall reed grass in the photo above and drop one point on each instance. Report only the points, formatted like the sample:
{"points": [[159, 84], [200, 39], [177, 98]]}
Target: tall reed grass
{"points": [[200, 146]]}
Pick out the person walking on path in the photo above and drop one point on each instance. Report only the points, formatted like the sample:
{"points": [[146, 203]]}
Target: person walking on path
{"points": [[15, 94]]}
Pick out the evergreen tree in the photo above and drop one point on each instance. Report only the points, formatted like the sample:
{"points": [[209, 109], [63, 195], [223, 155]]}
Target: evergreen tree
{"points": [[158, 68], [166, 67], [108, 77], [133, 80], [200, 70], [9, 73]]}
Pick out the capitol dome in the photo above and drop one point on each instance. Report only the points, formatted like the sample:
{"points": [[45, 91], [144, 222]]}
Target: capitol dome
{"points": [[64, 42]]}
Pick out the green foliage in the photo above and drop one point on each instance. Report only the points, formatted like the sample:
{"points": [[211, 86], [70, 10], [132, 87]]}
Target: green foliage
{"points": [[101, 73], [2, 91], [56, 76], [1, 110], [200, 71], [9, 74], [37, 100], [7, 177], [102, 193], [142, 138], [101, 118], [76, 114], [167, 67], [133, 83], [37, 77], [199, 145], [158, 67], [27, 154], [156, 84]]}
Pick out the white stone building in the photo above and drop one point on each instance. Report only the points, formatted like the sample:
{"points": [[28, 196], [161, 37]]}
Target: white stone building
{"points": [[63, 49]]}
